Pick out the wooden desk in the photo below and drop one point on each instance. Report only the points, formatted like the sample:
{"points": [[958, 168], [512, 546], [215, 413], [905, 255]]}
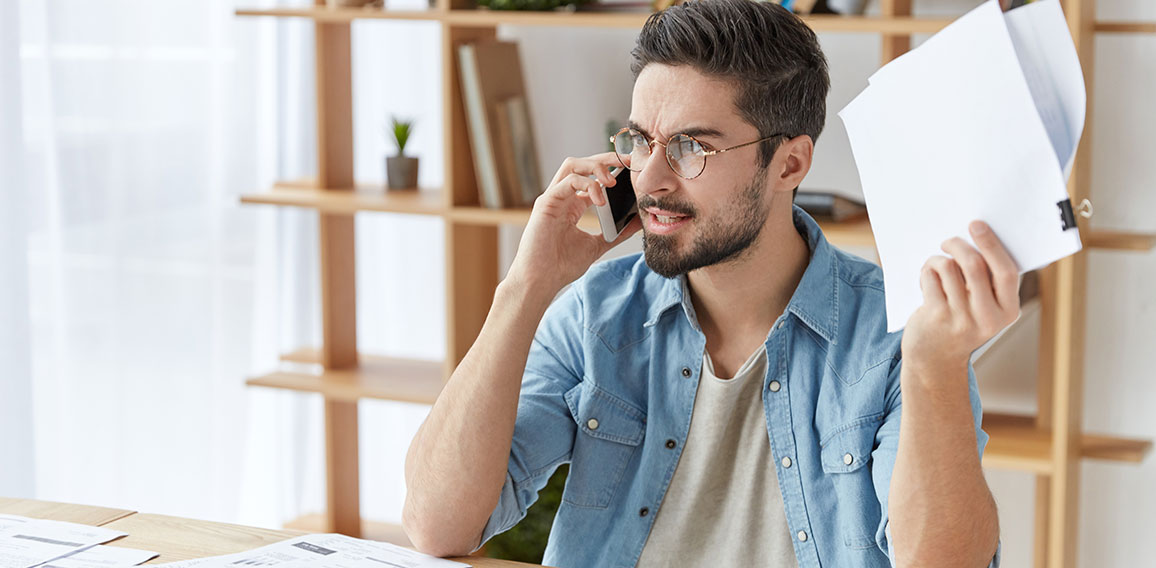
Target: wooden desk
{"points": [[82, 514], [177, 538]]}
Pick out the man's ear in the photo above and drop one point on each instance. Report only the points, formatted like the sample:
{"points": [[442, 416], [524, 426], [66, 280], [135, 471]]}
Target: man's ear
{"points": [[791, 163]]}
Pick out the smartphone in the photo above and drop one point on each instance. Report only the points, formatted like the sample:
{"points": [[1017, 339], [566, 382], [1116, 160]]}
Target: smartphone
{"points": [[620, 207]]}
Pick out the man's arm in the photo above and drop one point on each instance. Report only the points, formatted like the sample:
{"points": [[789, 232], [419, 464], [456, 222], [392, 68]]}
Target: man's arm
{"points": [[941, 510], [456, 465]]}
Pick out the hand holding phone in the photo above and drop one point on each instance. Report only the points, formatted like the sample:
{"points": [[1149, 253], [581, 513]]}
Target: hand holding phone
{"points": [[621, 205]]}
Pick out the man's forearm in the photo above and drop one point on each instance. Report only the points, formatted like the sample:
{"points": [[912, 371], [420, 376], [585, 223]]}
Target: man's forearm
{"points": [[940, 508], [457, 463]]}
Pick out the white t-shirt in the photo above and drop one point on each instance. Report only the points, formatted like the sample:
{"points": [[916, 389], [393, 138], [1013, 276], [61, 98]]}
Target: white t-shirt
{"points": [[723, 507]]}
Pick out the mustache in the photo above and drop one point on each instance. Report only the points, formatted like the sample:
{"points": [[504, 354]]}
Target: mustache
{"points": [[673, 207]]}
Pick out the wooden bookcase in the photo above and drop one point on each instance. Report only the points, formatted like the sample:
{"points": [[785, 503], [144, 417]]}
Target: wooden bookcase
{"points": [[1050, 445]]}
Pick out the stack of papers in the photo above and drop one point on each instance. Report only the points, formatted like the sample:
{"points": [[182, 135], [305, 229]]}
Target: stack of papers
{"points": [[981, 121], [28, 543], [323, 551]]}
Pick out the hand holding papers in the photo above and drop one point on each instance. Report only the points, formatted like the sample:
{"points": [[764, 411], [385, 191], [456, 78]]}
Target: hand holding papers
{"points": [[980, 122]]}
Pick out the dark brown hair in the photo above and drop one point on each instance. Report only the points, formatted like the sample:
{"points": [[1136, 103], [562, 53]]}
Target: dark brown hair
{"points": [[770, 56]]}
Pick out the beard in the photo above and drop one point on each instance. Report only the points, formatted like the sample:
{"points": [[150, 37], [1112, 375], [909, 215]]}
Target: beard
{"points": [[720, 240]]}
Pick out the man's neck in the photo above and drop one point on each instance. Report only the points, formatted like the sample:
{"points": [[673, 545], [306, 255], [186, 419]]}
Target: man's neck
{"points": [[737, 302]]}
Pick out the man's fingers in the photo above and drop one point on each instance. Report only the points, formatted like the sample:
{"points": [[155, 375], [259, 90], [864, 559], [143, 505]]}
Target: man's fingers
{"points": [[976, 277], [951, 279], [1004, 271], [929, 284], [597, 165], [580, 186]]}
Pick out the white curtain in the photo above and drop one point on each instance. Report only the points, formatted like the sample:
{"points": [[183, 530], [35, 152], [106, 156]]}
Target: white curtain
{"points": [[137, 293], [17, 476]]}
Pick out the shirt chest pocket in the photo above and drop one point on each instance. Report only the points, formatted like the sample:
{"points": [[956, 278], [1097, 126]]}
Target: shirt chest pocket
{"points": [[608, 434], [845, 456]]}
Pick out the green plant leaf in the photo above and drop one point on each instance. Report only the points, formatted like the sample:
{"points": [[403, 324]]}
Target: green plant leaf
{"points": [[402, 130]]}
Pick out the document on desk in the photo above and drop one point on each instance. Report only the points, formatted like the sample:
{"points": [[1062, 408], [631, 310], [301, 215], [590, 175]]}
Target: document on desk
{"points": [[101, 556], [26, 542], [981, 121], [323, 551]]}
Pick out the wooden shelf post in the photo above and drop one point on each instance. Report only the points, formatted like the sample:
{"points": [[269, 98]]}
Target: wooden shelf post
{"points": [[338, 272], [471, 249]]}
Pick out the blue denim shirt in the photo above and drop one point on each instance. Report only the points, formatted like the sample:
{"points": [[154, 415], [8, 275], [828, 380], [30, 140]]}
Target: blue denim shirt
{"points": [[612, 376]]}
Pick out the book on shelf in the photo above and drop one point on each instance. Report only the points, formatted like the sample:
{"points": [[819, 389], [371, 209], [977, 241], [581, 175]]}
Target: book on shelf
{"points": [[498, 121], [829, 206]]}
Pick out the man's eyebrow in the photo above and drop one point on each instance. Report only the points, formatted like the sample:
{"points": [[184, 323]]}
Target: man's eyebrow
{"points": [[697, 131]]}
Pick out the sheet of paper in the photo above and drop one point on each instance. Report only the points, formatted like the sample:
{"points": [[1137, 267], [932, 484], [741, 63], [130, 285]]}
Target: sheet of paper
{"points": [[25, 543], [323, 551], [957, 130], [101, 556]]}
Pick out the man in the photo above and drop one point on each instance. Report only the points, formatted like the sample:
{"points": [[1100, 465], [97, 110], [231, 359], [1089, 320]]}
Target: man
{"points": [[730, 396]]}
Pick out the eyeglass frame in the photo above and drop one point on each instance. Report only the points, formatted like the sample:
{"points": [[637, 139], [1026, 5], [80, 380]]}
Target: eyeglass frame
{"points": [[705, 153]]}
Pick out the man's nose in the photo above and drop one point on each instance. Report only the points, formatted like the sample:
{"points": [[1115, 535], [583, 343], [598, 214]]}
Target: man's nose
{"points": [[656, 175]]}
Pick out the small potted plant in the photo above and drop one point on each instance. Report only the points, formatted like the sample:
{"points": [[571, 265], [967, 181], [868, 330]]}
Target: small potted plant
{"points": [[401, 170]]}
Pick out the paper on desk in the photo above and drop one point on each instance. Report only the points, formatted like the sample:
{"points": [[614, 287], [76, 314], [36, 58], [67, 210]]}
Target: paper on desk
{"points": [[323, 551], [28, 542], [101, 556], [981, 121]]}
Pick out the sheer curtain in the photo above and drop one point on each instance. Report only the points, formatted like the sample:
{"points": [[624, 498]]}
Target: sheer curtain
{"points": [[137, 294], [16, 479], [141, 123]]}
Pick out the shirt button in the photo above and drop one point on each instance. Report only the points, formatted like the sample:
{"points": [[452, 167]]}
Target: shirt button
{"points": [[775, 386], [671, 444], [686, 371], [782, 323], [592, 424], [848, 458], [786, 461], [802, 536], [643, 512]]}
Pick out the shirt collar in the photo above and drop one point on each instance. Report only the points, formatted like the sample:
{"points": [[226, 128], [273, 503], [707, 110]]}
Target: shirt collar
{"points": [[815, 301]]}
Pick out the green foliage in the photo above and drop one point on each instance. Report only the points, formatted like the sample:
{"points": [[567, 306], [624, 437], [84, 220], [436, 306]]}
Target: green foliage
{"points": [[402, 130], [529, 4], [526, 542]]}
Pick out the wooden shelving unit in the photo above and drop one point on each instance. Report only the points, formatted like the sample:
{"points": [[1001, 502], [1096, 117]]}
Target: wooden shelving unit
{"points": [[1049, 445]]}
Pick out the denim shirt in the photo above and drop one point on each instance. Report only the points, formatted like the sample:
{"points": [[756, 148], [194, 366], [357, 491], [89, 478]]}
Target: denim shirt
{"points": [[611, 380]]}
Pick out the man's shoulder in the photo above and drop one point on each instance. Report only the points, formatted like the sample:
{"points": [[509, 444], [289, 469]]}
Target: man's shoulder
{"points": [[862, 307], [619, 295]]}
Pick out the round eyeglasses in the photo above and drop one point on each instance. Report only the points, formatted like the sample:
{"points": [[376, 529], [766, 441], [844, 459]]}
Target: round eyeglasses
{"points": [[685, 154]]}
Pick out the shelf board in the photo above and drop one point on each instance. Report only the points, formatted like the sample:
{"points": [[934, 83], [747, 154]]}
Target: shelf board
{"points": [[1121, 240], [364, 197], [1017, 444], [336, 15], [386, 378], [473, 215], [371, 530], [1126, 27], [856, 233], [901, 25]]}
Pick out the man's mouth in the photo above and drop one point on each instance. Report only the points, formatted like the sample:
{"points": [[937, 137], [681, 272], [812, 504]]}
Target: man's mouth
{"points": [[662, 221]]}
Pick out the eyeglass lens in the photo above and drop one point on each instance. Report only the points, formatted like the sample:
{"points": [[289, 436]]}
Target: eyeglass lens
{"points": [[683, 153]]}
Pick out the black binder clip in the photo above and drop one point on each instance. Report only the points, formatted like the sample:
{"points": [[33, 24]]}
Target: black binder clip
{"points": [[1067, 216]]}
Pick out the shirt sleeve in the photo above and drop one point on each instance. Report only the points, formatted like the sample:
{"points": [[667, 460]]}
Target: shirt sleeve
{"points": [[887, 445], [544, 430]]}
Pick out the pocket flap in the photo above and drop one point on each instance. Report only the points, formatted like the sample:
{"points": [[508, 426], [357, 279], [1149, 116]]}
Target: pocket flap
{"points": [[850, 447], [602, 415]]}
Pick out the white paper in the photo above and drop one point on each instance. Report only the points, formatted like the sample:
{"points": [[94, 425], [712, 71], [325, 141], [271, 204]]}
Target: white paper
{"points": [[323, 551], [28, 542], [979, 122], [101, 556]]}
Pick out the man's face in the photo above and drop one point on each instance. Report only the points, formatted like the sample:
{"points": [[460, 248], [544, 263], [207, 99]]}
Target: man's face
{"points": [[718, 215]]}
